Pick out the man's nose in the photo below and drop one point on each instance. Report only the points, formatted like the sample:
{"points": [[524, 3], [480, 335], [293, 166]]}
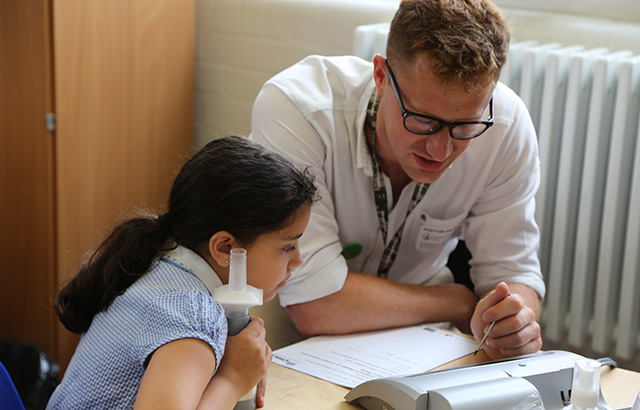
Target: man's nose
{"points": [[439, 144]]}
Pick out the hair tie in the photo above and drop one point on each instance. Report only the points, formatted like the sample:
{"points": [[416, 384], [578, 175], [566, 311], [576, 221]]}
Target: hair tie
{"points": [[163, 221]]}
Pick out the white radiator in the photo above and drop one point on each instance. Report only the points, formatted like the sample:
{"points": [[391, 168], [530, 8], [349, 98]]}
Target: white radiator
{"points": [[585, 106]]}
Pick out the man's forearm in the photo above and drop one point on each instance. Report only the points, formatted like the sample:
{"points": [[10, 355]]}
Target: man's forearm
{"points": [[370, 303]]}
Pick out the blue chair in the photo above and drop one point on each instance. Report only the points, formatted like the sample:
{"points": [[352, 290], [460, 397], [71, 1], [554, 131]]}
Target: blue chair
{"points": [[8, 394]]}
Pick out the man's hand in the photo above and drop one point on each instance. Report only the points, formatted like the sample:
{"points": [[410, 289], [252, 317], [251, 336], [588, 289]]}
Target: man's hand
{"points": [[515, 308]]}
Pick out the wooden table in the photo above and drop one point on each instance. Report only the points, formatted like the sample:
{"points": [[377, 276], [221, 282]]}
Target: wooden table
{"points": [[291, 390]]}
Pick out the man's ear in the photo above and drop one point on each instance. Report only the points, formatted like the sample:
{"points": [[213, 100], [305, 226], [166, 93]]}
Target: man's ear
{"points": [[220, 245], [379, 73]]}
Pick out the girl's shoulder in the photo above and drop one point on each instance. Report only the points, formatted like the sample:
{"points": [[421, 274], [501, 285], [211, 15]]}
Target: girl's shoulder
{"points": [[168, 291]]}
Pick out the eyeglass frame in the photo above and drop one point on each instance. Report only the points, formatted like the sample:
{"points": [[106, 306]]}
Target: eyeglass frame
{"points": [[450, 125]]}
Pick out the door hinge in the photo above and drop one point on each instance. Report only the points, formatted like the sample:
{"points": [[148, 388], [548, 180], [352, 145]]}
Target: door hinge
{"points": [[51, 122]]}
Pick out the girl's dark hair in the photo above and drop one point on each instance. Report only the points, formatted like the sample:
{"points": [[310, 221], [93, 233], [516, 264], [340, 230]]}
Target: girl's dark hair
{"points": [[231, 184]]}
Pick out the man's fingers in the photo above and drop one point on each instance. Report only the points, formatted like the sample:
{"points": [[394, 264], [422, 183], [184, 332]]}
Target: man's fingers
{"points": [[494, 297], [533, 346], [528, 335], [512, 305]]}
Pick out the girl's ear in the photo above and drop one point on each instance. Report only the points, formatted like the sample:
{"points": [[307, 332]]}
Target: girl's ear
{"points": [[220, 245]]}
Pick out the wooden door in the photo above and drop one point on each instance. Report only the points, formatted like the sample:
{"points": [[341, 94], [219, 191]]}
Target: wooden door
{"points": [[26, 175], [124, 107]]}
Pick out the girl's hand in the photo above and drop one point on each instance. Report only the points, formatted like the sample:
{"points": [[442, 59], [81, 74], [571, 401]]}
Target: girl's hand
{"points": [[178, 375], [246, 359]]}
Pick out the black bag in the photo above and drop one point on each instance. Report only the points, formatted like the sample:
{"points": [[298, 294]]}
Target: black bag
{"points": [[33, 372]]}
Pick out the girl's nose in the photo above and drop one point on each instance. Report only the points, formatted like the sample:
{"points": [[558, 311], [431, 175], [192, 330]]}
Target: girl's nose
{"points": [[296, 258]]}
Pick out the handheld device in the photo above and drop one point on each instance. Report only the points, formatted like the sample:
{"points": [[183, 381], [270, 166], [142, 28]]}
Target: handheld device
{"points": [[236, 298]]}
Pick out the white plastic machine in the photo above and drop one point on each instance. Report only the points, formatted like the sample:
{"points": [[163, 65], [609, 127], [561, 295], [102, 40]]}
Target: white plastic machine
{"points": [[529, 382]]}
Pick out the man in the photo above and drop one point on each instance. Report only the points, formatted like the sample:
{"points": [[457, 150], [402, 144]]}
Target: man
{"points": [[428, 150]]}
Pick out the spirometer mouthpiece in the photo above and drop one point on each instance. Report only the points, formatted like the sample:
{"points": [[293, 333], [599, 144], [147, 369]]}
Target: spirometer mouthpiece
{"points": [[237, 297], [585, 392], [238, 270]]}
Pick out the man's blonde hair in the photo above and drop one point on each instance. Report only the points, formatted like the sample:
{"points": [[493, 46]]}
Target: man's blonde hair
{"points": [[464, 41]]}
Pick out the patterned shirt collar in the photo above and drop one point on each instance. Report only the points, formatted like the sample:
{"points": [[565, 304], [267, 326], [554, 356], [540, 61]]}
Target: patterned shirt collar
{"points": [[195, 264]]}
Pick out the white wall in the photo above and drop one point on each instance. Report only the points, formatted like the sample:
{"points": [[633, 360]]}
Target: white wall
{"points": [[242, 43], [619, 10], [570, 29]]}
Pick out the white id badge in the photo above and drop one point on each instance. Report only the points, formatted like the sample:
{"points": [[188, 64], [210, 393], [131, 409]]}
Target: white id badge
{"points": [[434, 232]]}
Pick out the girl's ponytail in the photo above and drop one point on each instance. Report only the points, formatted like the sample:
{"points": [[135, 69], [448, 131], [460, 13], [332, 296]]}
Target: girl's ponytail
{"points": [[124, 256]]}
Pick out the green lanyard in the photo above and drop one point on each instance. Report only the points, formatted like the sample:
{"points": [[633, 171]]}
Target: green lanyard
{"points": [[380, 195]]}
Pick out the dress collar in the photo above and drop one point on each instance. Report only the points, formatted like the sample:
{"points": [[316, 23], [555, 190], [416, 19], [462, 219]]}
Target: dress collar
{"points": [[195, 264]]}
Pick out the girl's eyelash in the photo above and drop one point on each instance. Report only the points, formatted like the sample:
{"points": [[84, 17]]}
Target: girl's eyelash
{"points": [[290, 248]]}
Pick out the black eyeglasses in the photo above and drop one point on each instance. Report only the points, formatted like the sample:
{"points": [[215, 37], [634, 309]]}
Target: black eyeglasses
{"points": [[423, 125]]}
